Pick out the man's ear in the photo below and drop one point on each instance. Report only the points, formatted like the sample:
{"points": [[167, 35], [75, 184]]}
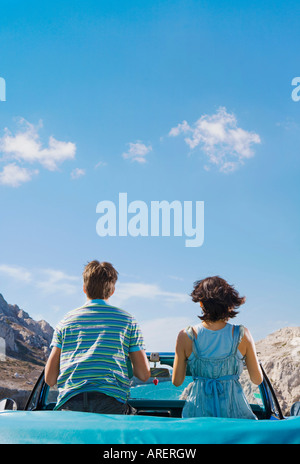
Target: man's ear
{"points": [[84, 289]]}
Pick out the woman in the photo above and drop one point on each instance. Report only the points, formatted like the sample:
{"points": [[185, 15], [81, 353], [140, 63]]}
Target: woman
{"points": [[214, 351]]}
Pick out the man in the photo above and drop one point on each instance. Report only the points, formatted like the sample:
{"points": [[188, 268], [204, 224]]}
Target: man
{"points": [[90, 349]]}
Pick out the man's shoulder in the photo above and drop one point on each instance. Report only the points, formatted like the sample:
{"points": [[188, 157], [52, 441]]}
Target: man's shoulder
{"points": [[67, 317], [93, 309], [118, 310]]}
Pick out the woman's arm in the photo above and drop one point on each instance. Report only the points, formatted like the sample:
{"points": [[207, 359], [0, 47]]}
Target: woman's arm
{"points": [[182, 351], [248, 347]]}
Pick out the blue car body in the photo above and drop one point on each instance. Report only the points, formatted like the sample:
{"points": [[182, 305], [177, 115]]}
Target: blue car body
{"points": [[158, 420]]}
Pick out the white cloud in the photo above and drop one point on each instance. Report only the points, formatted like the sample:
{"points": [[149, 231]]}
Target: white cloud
{"points": [[289, 125], [173, 277], [50, 281], [129, 290], [26, 146], [137, 152], [225, 144], [77, 173], [101, 164], [13, 175], [160, 334], [56, 281], [16, 272]]}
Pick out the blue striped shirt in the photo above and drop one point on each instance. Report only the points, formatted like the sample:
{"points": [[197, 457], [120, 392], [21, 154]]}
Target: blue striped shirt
{"points": [[95, 341]]}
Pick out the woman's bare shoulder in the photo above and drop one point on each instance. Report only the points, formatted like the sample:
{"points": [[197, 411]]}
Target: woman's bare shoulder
{"points": [[245, 342], [247, 335], [183, 336], [183, 340]]}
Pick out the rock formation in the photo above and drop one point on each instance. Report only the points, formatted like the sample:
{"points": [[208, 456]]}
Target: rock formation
{"points": [[279, 353], [25, 338]]}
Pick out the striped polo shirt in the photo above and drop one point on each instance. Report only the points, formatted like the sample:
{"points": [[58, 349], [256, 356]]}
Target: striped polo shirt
{"points": [[95, 341]]}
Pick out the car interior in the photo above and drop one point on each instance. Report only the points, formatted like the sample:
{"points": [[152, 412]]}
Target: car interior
{"points": [[159, 397]]}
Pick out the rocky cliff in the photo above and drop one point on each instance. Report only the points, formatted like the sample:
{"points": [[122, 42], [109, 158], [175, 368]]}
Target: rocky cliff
{"points": [[24, 349], [25, 339], [279, 353]]}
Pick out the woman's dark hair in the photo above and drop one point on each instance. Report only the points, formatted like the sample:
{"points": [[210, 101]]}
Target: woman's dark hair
{"points": [[219, 299]]}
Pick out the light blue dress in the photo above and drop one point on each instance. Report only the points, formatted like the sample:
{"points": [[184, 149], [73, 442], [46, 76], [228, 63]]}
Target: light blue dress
{"points": [[216, 365]]}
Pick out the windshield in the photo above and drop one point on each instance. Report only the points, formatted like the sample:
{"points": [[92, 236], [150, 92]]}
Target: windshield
{"points": [[165, 390]]}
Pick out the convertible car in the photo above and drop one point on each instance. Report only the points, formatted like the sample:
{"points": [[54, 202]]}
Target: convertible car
{"points": [[158, 405]]}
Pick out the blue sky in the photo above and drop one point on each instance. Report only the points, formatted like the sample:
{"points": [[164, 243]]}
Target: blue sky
{"points": [[170, 100]]}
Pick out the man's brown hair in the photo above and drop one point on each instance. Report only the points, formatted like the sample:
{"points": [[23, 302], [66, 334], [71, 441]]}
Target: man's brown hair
{"points": [[99, 280]]}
